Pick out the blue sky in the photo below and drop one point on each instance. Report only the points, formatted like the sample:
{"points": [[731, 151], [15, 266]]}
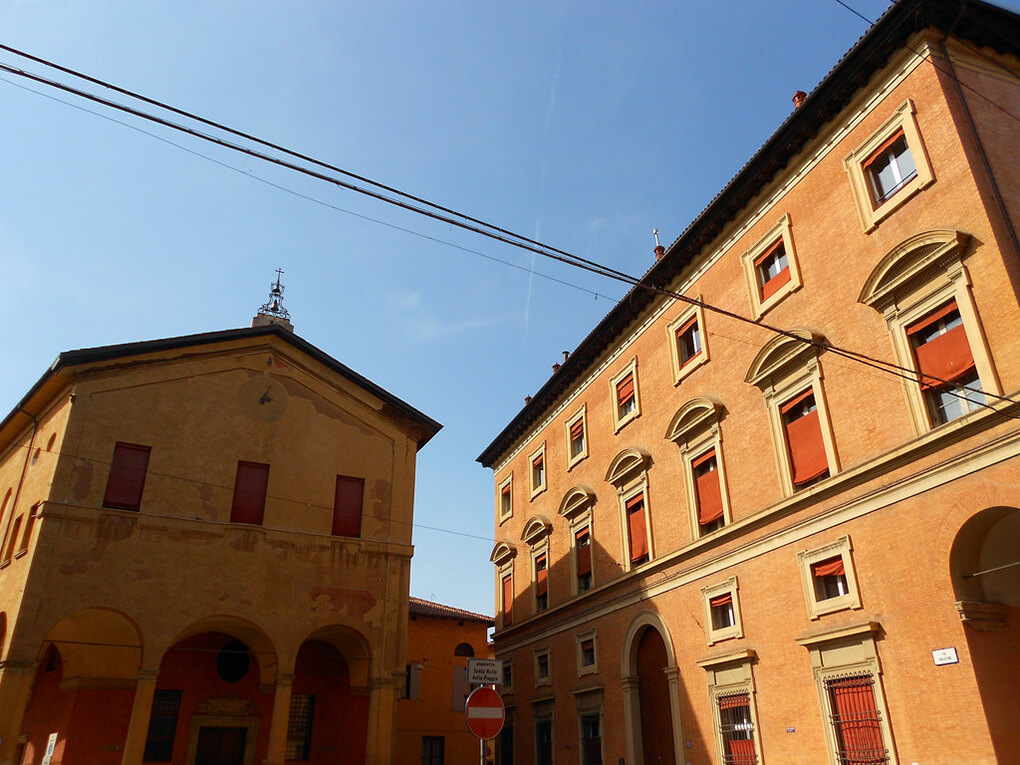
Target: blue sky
{"points": [[583, 124]]}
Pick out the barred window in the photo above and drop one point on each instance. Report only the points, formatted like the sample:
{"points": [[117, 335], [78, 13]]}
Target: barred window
{"points": [[855, 720], [299, 726], [432, 750], [591, 740], [159, 746], [737, 730]]}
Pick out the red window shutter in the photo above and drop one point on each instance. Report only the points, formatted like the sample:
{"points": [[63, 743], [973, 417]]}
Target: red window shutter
{"points": [[718, 601], [541, 580], [583, 552], [577, 430], [508, 600], [680, 341], [877, 153], [829, 567], [625, 389], [249, 493], [537, 462], [127, 477], [804, 439], [855, 718], [347, 506], [946, 356], [637, 527], [732, 702], [708, 491], [741, 751], [769, 287]]}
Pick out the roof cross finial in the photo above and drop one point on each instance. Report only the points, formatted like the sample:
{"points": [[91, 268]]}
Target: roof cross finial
{"points": [[272, 311]]}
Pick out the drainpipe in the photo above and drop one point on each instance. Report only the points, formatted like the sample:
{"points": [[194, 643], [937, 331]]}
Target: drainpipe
{"points": [[996, 192]]}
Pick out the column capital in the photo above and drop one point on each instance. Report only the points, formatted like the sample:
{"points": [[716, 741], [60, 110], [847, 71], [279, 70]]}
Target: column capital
{"points": [[284, 678], [672, 673], [147, 675], [629, 682], [17, 665]]}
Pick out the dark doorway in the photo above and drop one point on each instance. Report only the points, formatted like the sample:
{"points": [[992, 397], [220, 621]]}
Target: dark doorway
{"points": [[653, 687], [220, 746]]}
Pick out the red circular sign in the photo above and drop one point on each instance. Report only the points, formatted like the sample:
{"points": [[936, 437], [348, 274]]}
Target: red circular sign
{"points": [[484, 712]]}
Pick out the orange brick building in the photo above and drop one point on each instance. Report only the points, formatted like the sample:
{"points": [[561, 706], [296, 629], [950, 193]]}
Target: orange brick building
{"points": [[722, 543], [431, 729], [206, 549]]}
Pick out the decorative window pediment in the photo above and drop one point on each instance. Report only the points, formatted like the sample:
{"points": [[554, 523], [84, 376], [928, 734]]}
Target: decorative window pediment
{"points": [[536, 529], [503, 553], [783, 353], [576, 501], [627, 464], [914, 262], [694, 417]]}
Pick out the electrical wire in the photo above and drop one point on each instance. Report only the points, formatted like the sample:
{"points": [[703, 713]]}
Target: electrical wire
{"points": [[496, 234]]}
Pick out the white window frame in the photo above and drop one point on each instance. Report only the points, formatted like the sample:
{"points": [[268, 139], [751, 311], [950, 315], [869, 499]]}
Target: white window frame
{"points": [[736, 630], [903, 118], [618, 421], [695, 429], [728, 675], [781, 230], [502, 517], [582, 415], [681, 369], [842, 548], [593, 668], [537, 489]]}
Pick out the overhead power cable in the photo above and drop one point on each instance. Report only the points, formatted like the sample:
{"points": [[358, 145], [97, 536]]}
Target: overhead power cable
{"points": [[481, 228]]}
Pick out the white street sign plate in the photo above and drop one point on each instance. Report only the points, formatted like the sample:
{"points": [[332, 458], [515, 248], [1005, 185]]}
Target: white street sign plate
{"points": [[485, 671]]}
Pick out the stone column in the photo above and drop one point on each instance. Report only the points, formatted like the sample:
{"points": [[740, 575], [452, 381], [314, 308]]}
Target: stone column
{"points": [[138, 725], [673, 678], [632, 719], [277, 749], [382, 715], [15, 690]]}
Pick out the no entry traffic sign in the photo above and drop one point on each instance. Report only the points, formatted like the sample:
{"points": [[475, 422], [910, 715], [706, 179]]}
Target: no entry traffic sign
{"points": [[484, 713]]}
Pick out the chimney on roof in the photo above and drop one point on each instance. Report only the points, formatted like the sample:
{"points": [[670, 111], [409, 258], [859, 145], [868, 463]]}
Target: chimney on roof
{"points": [[566, 355], [798, 98], [659, 249], [273, 312], [556, 367], [527, 400]]}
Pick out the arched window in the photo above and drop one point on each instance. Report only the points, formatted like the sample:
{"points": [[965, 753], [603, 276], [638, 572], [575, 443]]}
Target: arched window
{"points": [[628, 472], [695, 430], [464, 649]]}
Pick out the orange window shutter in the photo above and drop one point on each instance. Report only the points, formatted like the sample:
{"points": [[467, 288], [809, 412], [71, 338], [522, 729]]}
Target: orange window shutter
{"points": [[583, 553], [721, 600], [829, 567], [708, 491], [577, 430], [877, 153], [508, 600], [625, 389], [804, 439], [637, 527], [946, 356]]}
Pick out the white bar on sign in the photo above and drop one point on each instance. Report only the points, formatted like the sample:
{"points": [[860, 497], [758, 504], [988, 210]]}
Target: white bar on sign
{"points": [[485, 713]]}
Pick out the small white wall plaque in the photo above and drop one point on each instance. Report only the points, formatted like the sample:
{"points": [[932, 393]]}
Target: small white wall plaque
{"points": [[943, 656]]}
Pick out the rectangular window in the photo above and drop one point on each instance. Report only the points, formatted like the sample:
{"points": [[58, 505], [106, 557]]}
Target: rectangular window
{"points": [[721, 609], [889, 168], [26, 536], [625, 398], [591, 740], [855, 720], [942, 353], [432, 750], [582, 542], [12, 541], [542, 666], [508, 600], [508, 674], [577, 437], [708, 492], [737, 730], [808, 461], [506, 745], [159, 745], [637, 529], [588, 652], [773, 270], [505, 502], [829, 577], [250, 493], [543, 741], [688, 341], [538, 472], [127, 476], [299, 726], [541, 583], [348, 504]]}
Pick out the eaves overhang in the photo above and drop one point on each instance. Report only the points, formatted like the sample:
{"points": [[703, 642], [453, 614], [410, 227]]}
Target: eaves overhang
{"points": [[984, 24], [66, 361]]}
